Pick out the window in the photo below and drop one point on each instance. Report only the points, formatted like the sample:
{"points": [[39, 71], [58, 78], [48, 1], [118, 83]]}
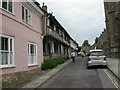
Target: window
{"points": [[56, 47], [7, 5], [6, 51], [32, 53], [97, 53], [26, 15], [10, 6], [0, 3], [4, 4]]}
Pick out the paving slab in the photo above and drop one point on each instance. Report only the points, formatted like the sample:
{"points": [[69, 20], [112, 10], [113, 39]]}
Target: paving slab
{"points": [[114, 65]]}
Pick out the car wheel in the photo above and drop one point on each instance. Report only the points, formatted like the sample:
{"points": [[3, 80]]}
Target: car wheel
{"points": [[88, 67]]}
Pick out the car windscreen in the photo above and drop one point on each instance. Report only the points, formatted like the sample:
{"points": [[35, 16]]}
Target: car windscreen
{"points": [[96, 53]]}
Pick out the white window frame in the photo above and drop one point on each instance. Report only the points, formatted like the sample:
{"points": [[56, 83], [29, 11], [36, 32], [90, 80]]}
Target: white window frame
{"points": [[0, 3], [13, 63], [7, 6], [29, 14], [29, 54]]}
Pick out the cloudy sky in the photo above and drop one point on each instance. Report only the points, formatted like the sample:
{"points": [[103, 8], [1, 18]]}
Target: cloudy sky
{"points": [[82, 19]]}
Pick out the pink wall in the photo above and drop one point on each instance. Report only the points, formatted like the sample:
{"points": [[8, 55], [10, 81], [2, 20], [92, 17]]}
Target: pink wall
{"points": [[0, 21], [23, 33]]}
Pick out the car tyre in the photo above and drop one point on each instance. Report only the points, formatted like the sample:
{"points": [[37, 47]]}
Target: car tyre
{"points": [[88, 67]]}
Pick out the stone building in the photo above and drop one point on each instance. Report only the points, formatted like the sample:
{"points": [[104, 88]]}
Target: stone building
{"points": [[112, 15], [56, 40], [86, 49], [101, 42]]}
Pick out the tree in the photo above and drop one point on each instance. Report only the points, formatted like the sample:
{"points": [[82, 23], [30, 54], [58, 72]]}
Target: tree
{"points": [[86, 43], [84, 51], [79, 49]]}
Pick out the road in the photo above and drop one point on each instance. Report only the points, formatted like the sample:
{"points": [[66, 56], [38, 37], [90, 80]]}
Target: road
{"points": [[76, 75]]}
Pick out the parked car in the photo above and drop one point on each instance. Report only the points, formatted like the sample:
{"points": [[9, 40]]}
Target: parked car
{"points": [[96, 57]]}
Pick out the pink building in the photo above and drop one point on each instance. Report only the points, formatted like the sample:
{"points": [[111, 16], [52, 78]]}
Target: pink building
{"points": [[20, 36]]}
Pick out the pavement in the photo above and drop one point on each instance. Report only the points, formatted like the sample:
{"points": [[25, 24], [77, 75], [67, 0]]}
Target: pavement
{"points": [[112, 63], [42, 79]]}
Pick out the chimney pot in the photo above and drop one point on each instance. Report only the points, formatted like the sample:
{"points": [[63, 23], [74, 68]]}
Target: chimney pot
{"points": [[44, 7]]}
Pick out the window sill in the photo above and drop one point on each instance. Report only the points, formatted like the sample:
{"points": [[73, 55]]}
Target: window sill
{"points": [[8, 11], [27, 23], [32, 65], [4, 67]]}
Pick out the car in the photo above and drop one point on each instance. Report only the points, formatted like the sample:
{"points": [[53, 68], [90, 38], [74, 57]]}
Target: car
{"points": [[96, 57]]}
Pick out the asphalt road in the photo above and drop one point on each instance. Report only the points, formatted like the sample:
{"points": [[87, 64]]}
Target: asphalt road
{"points": [[76, 75]]}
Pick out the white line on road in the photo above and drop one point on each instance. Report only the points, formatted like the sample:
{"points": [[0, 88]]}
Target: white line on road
{"points": [[111, 78]]}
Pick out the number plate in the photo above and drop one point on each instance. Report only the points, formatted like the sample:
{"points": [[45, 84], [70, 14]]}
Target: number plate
{"points": [[96, 59]]}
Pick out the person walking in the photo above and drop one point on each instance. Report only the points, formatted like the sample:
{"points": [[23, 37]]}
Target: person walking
{"points": [[73, 55]]}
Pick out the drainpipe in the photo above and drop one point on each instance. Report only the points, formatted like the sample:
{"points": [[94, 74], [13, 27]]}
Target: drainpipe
{"points": [[45, 32]]}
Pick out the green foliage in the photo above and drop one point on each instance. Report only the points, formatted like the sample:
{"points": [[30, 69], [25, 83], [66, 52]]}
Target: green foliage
{"points": [[84, 51], [51, 63], [59, 60], [105, 42], [97, 47], [79, 49], [86, 43]]}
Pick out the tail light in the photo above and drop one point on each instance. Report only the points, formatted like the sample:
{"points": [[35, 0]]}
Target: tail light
{"points": [[104, 58], [88, 59]]}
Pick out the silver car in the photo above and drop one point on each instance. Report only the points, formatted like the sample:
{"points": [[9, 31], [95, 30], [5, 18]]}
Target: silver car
{"points": [[96, 57]]}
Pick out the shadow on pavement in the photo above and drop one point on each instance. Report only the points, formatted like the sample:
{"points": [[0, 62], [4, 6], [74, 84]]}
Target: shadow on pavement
{"points": [[97, 67]]}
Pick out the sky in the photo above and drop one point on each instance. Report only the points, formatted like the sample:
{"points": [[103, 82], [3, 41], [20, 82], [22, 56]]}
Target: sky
{"points": [[82, 19]]}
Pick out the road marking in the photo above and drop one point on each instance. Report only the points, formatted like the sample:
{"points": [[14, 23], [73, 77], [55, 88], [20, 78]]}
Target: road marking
{"points": [[111, 78]]}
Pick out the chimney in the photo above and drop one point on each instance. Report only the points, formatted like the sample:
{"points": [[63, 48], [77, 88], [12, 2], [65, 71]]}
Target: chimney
{"points": [[44, 7], [37, 3]]}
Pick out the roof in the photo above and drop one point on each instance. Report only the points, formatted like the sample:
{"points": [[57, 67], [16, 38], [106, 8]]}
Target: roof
{"points": [[53, 17]]}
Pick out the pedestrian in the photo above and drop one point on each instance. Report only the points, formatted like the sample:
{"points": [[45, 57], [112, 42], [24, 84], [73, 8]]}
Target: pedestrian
{"points": [[82, 54], [73, 55]]}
